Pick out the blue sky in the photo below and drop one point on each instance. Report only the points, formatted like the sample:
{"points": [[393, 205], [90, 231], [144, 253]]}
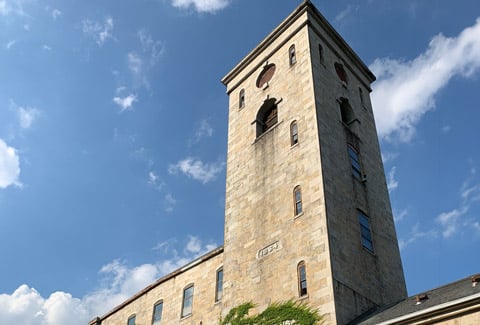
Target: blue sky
{"points": [[113, 129]]}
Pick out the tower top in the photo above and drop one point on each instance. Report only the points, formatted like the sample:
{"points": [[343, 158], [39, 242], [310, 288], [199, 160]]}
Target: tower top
{"points": [[306, 12]]}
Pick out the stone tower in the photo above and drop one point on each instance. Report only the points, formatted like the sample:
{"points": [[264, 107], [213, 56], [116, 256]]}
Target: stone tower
{"points": [[307, 211]]}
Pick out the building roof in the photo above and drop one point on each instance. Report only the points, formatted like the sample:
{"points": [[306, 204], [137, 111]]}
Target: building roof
{"points": [[457, 297]]}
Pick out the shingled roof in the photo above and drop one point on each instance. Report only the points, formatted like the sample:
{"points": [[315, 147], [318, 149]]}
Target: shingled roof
{"points": [[460, 297]]}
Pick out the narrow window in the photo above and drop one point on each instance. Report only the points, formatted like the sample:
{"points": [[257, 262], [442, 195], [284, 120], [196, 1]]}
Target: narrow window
{"points": [[241, 99], [293, 133], [219, 286], [292, 55], [297, 197], [302, 279], [346, 112], [157, 313], [360, 93], [131, 320], [365, 231], [320, 52], [355, 161], [342, 75], [187, 301]]}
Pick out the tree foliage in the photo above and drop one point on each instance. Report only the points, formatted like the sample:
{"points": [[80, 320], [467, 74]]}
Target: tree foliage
{"points": [[289, 312]]}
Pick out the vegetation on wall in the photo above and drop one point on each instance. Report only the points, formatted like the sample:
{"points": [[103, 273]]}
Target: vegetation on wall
{"points": [[284, 313]]}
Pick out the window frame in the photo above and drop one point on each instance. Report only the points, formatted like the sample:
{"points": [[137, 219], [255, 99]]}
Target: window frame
{"points": [[302, 279], [241, 99], [360, 94], [366, 235], [185, 299], [355, 165], [297, 200], [154, 321], [292, 55], [293, 133], [219, 285], [321, 53], [130, 318]]}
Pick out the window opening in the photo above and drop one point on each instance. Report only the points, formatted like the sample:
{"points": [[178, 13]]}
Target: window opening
{"points": [[342, 75], [302, 279], [320, 52], [365, 231], [355, 161], [346, 111], [131, 320], [241, 99], [293, 133], [157, 313], [297, 196], [219, 286], [360, 93], [267, 116], [292, 55], [187, 301]]}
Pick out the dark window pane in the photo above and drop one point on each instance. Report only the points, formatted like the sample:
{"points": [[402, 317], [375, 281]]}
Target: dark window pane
{"points": [[219, 288], [157, 313], [131, 320]]}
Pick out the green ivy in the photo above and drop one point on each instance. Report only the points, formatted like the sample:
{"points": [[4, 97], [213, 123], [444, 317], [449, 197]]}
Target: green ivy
{"points": [[275, 314]]}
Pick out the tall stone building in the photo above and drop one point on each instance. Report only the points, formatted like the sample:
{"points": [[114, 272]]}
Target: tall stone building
{"points": [[307, 212]]}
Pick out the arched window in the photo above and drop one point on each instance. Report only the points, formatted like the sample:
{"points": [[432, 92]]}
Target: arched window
{"points": [[292, 56], [297, 198], [342, 75], [241, 99], [346, 111], [266, 116], [302, 279], [360, 93], [131, 320], [157, 313], [321, 54], [219, 285], [293, 133], [187, 301]]}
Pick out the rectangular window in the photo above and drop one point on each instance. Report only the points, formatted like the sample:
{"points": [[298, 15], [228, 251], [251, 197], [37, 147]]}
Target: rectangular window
{"points": [[355, 161], [157, 313], [131, 320], [365, 231], [219, 286], [187, 301]]}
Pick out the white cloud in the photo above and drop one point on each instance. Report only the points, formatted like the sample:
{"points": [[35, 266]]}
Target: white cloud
{"points": [[46, 47], [169, 202], [9, 166], [153, 48], [392, 183], [8, 7], [203, 130], [449, 221], [416, 234], [345, 13], [196, 169], [201, 5], [9, 45], [98, 31], [400, 215], [56, 13], [27, 306], [125, 103], [406, 90], [27, 115]]}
